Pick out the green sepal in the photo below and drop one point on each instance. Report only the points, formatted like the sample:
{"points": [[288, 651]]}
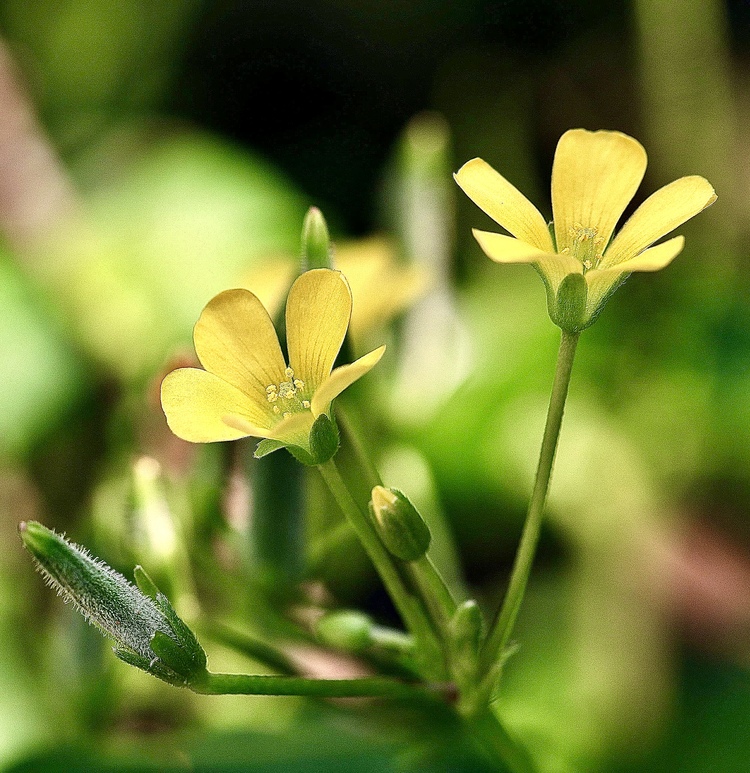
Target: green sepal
{"points": [[145, 583], [602, 302], [324, 438], [323, 443], [302, 456], [181, 652], [568, 307], [267, 446], [175, 657], [155, 666]]}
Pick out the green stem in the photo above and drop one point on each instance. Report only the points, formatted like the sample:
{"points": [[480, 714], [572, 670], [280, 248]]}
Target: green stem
{"points": [[367, 687], [496, 743], [435, 593], [409, 606], [502, 627], [253, 648]]}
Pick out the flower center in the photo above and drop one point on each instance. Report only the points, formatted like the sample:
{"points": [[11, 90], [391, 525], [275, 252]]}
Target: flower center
{"points": [[586, 246], [286, 397]]}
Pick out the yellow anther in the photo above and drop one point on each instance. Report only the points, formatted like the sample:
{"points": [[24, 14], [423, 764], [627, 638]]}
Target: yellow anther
{"points": [[286, 392]]}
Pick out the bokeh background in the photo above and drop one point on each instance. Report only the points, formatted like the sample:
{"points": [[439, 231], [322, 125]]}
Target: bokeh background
{"points": [[152, 154]]}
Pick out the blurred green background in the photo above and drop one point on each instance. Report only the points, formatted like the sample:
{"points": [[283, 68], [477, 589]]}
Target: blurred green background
{"points": [[153, 154]]}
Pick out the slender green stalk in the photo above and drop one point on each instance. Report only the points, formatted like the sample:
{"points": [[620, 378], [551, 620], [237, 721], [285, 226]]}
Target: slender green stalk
{"points": [[502, 627], [496, 743], [354, 437], [435, 592], [366, 687], [256, 649], [409, 606]]}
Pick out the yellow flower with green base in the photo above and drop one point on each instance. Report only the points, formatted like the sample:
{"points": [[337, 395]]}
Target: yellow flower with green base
{"points": [[594, 177], [246, 388]]}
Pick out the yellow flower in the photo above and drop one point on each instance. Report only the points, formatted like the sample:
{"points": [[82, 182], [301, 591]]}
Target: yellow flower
{"points": [[247, 389], [594, 177]]}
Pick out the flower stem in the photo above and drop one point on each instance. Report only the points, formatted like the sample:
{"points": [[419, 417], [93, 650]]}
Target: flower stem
{"points": [[502, 627], [408, 605], [497, 743], [366, 687], [435, 592]]}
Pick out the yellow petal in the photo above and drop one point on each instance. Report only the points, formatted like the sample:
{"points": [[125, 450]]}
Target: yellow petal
{"points": [[504, 203], [661, 213], [653, 259], [235, 339], [317, 316], [196, 401], [594, 177], [506, 249], [341, 378]]}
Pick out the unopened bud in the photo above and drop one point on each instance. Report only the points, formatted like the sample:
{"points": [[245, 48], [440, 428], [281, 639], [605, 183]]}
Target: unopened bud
{"points": [[316, 243], [400, 525], [138, 621], [466, 629], [346, 630], [155, 526]]}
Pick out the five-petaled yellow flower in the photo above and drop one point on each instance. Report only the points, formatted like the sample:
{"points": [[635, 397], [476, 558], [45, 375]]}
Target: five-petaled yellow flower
{"points": [[594, 177], [247, 389]]}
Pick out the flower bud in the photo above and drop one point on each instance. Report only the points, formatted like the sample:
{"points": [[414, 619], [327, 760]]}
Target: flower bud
{"points": [[400, 526], [466, 629], [146, 630], [154, 523], [316, 243], [346, 630]]}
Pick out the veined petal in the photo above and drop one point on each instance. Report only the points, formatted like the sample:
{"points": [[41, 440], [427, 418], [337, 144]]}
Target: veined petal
{"points": [[317, 316], [195, 402], [507, 249], [341, 378], [660, 213], [594, 177], [504, 203], [235, 339], [652, 259]]}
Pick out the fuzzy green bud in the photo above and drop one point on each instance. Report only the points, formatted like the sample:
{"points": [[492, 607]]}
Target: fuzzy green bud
{"points": [[139, 622], [346, 629], [316, 242], [399, 524]]}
